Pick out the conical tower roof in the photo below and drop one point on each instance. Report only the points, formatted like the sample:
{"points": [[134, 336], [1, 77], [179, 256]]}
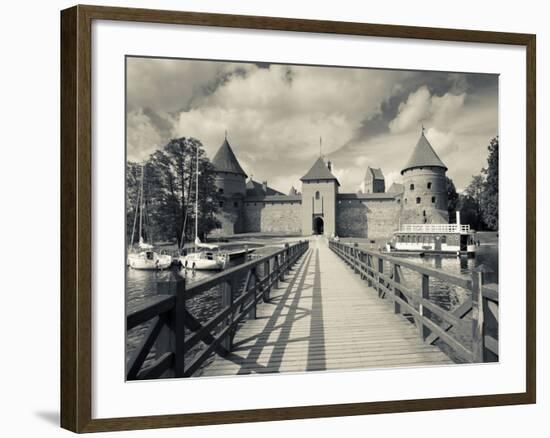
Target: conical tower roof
{"points": [[320, 171], [423, 156], [226, 161]]}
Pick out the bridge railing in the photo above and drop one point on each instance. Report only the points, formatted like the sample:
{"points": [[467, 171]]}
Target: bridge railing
{"points": [[175, 342], [433, 322]]}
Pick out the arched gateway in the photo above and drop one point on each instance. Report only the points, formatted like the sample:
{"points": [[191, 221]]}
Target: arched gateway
{"points": [[318, 225]]}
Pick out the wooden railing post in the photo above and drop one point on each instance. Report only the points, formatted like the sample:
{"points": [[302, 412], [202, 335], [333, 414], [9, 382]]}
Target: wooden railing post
{"points": [[253, 283], [396, 293], [287, 259], [478, 335], [267, 280], [172, 336], [227, 301], [424, 313], [355, 259], [369, 270], [275, 261], [380, 277]]}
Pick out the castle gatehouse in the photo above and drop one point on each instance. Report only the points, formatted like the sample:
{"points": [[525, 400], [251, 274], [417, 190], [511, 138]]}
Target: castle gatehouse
{"points": [[372, 212]]}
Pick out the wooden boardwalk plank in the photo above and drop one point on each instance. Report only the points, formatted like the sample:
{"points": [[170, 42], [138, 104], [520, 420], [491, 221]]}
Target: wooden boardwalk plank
{"points": [[324, 317]]}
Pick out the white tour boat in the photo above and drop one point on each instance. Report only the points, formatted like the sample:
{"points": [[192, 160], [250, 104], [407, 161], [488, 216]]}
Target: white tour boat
{"points": [[144, 257], [434, 238], [206, 257]]}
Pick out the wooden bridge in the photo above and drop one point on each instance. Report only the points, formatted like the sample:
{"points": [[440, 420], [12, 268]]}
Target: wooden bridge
{"points": [[314, 306]]}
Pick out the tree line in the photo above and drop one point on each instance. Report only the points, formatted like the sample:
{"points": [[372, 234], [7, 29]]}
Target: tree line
{"points": [[169, 193], [478, 203]]}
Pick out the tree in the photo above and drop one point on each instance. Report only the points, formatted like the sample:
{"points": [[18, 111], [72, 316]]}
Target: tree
{"points": [[475, 192], [133, 175], [489, 198], [469, 211], [169, 188], [452, 198]]}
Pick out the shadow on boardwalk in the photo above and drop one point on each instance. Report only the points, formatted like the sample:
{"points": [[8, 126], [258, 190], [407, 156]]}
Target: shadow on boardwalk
{"points": [[323, 317]]}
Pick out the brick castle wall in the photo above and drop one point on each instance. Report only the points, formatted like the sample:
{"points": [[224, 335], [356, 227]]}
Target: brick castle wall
{"points": [[282, 217], [373, 218]]}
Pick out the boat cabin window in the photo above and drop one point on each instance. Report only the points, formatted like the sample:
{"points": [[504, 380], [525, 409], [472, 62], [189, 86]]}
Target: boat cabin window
{"points": [[149, 255]]}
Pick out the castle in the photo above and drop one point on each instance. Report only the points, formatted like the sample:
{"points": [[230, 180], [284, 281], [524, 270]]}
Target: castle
{"points": [[373, 212]]}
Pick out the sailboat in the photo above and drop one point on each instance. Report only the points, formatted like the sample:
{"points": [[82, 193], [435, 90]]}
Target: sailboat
{"points": [[144, 257], [207, 257]]}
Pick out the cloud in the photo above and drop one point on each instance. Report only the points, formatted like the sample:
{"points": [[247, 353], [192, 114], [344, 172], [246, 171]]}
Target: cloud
{"points": [[411, 112], [143, 137], [422, 107], [275, 114]]}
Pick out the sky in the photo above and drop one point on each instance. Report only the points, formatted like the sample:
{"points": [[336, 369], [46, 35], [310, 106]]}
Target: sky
{"points": [[275, 116]]}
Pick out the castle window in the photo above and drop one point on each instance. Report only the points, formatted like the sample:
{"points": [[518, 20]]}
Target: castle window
{"points": [[424, 213], [399, 201], [220, 190], [221, 203], [433, 199], [429, 185], [418, 200], [412, 187], [405, 200], [317, 194], [235, 204]]}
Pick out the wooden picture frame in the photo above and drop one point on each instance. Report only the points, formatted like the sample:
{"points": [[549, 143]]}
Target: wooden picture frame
{"points": [[76, 217]]}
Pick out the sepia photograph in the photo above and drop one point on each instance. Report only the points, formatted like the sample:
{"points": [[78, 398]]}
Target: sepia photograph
{"points": [[287, 218]]}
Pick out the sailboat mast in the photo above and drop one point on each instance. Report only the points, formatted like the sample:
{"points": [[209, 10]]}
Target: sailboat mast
{"points": [[197, 198], [141, 204]]}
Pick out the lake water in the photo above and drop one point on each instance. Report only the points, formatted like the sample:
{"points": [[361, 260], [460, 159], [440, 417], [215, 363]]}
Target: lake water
{"points": [[449, 296], [142, 284]]}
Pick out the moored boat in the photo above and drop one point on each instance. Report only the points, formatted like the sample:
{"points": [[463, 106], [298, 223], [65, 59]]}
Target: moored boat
{"points": [[149, 260], [144, 257], [434, 238], [206, 257]]}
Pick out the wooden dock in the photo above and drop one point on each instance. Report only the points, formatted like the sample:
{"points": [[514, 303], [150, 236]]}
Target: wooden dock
{"points": [[313, 306], [323, 317]]}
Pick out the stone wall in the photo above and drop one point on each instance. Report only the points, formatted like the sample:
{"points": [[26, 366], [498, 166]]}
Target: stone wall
{"points": [[351, 218], [231, 219], [279, 217], [373, 218], [383, 217]]}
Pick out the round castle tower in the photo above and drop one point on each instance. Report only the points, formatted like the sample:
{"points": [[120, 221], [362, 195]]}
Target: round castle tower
{"points": [[230, 177], [230, 181], [425, 186]]}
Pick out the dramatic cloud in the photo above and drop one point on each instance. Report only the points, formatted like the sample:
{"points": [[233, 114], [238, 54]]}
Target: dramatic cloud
{"points": [[275, 115]]}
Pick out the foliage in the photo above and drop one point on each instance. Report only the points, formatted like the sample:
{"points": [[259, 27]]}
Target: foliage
{"points": [[452, 199], [478, 204], [169, 187], [489, 201]]}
